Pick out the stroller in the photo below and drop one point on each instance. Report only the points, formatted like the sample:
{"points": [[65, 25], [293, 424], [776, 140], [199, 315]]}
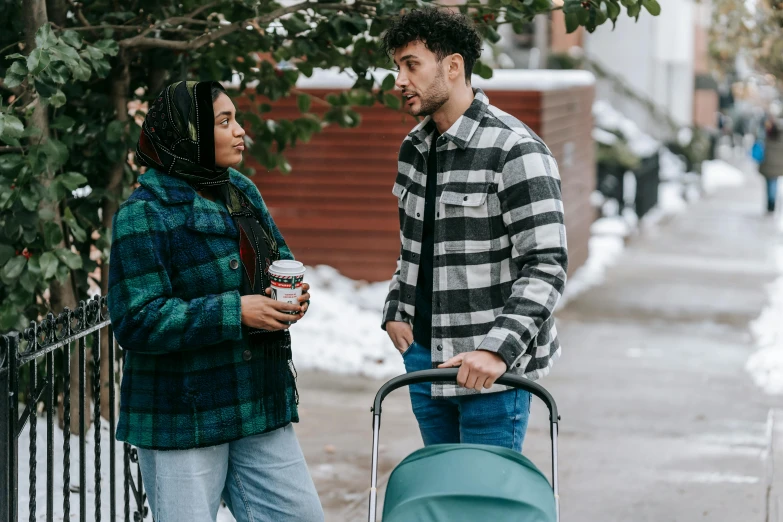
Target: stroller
{"points": [[437, 483]]}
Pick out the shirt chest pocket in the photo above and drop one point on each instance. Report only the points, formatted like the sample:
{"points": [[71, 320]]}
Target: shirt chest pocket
{"points": [[465, 218]]}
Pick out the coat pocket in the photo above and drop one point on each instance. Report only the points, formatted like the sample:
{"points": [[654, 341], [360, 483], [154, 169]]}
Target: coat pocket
{"points": [[465, 219]]}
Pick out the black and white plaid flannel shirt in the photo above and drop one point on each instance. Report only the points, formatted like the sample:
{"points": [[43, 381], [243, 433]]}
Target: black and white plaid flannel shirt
{"points": [[500, 255]]}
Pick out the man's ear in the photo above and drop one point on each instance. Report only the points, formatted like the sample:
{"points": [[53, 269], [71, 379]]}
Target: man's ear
{"points": [[456, 66]]}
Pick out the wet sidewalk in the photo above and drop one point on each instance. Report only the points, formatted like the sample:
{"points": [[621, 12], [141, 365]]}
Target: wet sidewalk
{"points": [[660, 420]]}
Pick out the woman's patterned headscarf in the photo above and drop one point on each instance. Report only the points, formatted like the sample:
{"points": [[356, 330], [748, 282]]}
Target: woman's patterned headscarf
{"points": [[178, 135]]}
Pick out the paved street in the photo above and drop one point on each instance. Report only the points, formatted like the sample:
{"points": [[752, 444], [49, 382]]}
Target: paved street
{"points": [[660, 421]]}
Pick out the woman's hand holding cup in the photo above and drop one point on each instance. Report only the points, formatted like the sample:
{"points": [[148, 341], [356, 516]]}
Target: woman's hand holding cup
{"points": [[264, 313]]}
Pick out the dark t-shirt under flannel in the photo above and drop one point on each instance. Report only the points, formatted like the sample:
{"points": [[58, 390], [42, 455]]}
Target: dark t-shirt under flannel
{"points": [[422, 321]]}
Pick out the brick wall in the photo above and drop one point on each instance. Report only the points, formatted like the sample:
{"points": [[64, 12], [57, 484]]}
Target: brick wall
{"points": [[336, 207]]}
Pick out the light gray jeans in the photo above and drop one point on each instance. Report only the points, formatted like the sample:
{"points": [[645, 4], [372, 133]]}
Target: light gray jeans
{"points": [[263, 478]]}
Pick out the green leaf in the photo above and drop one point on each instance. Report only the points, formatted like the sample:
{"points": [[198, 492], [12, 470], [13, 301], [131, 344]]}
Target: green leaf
{"points": [[303, 101], [46, 214], [305, 68], [108, 47], [63, 123], [482, 70], [652, 6], [58, 73], [78, 232], [283, 165], [392, 101], [48, 265], [52, 235], [72, 38], [572, 22], [29, 200], [16, 74], [114, 131], [13, 268], [388, 82], [71, 260], [28, 281], [38, 61], [492, 35], [81, 71], [6, 253], [45, 89], [57, 99], [10, 126], [71, 181], [34, 265], [44, 37], [10, 162]]}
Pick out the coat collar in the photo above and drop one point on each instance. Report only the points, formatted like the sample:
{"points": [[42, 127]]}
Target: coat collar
{"points": [[204, 215], [461, 132]]}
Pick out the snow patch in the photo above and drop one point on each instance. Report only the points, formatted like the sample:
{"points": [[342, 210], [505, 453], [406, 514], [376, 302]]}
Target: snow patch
{"points": [[766, 365], [717, 174], [341, 332]]}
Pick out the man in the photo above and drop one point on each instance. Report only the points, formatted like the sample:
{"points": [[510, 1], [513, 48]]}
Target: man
{"points": [[483, 259]]}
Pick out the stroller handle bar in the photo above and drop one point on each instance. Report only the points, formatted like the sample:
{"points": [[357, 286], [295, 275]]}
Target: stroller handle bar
{"points": [[449, 375]]}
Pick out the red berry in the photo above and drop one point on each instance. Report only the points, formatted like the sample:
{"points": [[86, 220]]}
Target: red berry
{"points": [[13, 186]]}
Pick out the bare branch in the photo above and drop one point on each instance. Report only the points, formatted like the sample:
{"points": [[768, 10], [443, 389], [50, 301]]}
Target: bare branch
{"points": [[105, 26], [8, 150], [202, 9], [143, 42]]}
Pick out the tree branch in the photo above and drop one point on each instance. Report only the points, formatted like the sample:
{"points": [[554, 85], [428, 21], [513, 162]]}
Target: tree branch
{"points": [[105, 26], [143, 42], [6, 149]]}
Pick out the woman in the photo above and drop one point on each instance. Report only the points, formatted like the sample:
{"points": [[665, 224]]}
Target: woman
{"points": [[208, 394], [772, 165]]}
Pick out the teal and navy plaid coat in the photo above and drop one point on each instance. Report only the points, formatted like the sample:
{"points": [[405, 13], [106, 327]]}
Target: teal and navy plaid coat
{"points": [[190, 377]]}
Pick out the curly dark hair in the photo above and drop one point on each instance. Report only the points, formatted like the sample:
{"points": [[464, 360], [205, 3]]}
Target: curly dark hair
{"points": [[443, 32]]}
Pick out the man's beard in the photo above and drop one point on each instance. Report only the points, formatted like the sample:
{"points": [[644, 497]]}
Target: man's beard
{"points": [[437, 96]]}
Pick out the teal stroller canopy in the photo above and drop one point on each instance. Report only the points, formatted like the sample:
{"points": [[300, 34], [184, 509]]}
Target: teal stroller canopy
{"points": [[468, 483]]}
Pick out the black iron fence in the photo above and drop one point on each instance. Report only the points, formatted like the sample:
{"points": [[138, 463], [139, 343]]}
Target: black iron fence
{"points": [[27, 361]]}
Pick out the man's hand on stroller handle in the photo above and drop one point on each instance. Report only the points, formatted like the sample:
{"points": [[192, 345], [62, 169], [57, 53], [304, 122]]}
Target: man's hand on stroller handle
{"points": [[479, 369]]}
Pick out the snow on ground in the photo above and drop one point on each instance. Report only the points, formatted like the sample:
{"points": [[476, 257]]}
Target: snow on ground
{"points": [[766, 365], [58, 496], [605, 248], [717, 174], [610, 119], [341, 332]]}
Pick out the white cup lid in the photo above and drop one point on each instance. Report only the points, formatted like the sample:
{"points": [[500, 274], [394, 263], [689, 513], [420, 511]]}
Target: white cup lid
{"points": [[287, 267]]}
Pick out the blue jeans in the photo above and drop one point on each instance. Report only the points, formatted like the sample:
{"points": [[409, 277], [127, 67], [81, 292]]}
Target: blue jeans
{"points": [[262, 478], [772, 193], [496, 419]]}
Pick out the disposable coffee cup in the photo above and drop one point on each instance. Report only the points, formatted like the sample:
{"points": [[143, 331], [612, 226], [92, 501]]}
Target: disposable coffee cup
{"points": [[285, 277]]}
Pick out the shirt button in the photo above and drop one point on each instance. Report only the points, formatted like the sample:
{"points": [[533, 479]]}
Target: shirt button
{"points": [[465, 198], [409, 296], [234, 264], [519, 364], [247, 355], [418, 214], [440, 348], [437, 214]]}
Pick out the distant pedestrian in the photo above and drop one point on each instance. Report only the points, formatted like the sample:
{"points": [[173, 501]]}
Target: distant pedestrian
{"points": [[772, 165]]}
